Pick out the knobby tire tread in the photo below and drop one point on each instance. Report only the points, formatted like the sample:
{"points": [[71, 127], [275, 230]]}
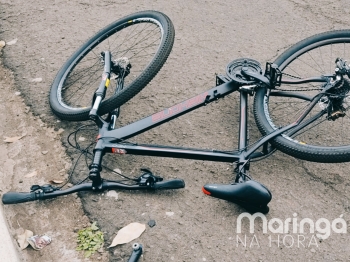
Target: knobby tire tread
{"points": [[130, 91], [301, 151]]}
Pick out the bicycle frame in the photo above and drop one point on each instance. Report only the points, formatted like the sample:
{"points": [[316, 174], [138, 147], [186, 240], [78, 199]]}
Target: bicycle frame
{"points": [[112, 141]]}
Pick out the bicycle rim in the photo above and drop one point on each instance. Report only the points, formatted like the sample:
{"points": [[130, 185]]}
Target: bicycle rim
{"points": [[323, 139], [143, 39]]}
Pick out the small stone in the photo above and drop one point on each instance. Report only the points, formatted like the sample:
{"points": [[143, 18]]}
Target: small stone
{"points": [[12, 42], [21, 181], [44, 152], [169, 214], [17, 93], [81, 138], [151, 223], [60, 131], [117, 170], [312, 250], [112, 193], [37, 80], [2, 44]]}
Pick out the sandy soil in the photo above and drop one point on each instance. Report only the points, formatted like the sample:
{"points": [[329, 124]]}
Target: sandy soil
{"points": [[209, 34]]}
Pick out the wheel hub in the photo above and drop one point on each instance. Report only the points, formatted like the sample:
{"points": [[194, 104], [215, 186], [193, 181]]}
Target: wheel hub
{"points": [[339, 99], [121, 67]]}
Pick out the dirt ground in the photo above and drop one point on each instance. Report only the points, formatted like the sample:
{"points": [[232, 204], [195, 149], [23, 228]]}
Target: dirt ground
{"points": [[36, 158], [209, 34]]}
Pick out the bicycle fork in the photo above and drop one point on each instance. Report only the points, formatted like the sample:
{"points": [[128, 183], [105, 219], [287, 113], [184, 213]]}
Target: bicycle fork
{"points": [[96, 168]]}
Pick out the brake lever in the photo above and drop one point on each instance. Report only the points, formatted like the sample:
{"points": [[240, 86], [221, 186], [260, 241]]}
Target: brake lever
{"points": [[45, 188], [147, 178]]}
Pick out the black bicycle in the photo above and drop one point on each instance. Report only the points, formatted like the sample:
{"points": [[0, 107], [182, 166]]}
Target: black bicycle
{"points": [[300, 106]]}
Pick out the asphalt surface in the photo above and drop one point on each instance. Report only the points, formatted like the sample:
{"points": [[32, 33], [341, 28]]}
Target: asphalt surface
{"points": [[209, 34]]}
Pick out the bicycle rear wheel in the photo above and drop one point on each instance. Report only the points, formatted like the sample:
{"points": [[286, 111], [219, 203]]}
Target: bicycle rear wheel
{"points": [[145, 39], [324, 139]]}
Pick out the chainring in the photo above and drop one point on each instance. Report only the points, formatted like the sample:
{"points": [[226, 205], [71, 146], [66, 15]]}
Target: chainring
{"points": [[233, 70]]}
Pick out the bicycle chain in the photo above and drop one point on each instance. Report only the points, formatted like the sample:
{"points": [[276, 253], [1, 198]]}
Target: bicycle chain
{"points": [[297, 77], [304, 90], [288, 90]]}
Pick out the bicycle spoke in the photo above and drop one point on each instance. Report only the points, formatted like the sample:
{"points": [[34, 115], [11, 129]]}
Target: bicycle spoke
{"points": [[316, 63], [284, 109], [139, 42]]}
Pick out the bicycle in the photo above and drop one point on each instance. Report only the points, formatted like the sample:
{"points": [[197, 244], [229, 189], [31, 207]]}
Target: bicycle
{"points": [[297, 100]]}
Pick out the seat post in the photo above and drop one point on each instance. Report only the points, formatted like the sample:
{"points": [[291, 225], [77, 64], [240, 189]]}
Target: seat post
{"points": [[243, 120], [243, 135]]}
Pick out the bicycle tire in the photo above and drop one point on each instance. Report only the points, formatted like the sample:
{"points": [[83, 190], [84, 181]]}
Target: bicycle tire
{"points": [[75, 83], [320, 142]]}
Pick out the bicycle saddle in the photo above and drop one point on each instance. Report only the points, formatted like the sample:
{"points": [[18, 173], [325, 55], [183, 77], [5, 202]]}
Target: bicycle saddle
{"points": [[251, 195]]}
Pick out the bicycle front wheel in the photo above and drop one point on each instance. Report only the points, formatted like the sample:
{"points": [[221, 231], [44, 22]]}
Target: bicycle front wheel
{"points": [[324, 138], [144, 39]]}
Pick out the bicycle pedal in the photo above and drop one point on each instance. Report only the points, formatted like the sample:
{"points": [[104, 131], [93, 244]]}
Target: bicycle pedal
{"points": [[251, 195]]}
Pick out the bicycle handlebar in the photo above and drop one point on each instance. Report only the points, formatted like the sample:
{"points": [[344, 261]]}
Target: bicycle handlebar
{"points": [[169, 184], [18, 197], [22, 197]]}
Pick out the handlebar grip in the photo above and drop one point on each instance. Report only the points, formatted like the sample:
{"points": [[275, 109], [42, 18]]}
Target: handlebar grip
{"points": [[169, 184], [18, 197]]}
